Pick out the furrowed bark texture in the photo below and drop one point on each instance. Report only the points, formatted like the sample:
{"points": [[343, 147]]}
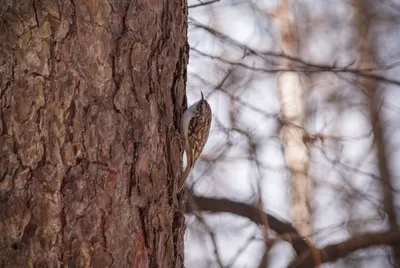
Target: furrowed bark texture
{"points": [[91, 97]]}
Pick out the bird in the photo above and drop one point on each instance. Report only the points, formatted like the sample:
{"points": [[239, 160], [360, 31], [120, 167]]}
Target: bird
{"points": [[195, 129]]}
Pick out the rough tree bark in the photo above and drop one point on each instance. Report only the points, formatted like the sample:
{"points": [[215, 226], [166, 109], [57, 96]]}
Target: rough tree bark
{"points": [[91, 97]]}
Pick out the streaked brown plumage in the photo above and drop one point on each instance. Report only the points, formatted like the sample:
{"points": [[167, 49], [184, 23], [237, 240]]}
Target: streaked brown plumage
{"points": [[195, 129]]}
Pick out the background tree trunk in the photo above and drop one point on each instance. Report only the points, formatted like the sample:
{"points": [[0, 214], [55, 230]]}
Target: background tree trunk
{"points": [[363, 21], [91, 97], [296, 152]]}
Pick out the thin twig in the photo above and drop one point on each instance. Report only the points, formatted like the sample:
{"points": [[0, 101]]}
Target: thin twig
{"points": [[201, 4]]}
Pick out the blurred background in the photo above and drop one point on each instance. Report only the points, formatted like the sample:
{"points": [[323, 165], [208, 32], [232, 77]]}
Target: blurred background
{"points": [[306, 128]]}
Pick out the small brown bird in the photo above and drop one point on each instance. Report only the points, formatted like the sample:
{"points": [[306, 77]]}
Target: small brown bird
{"points": [[195, 128]]}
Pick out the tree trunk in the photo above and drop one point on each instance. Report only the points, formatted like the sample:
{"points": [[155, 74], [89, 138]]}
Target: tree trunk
{"points": [[91, 97], [367, 53], [293, 133]]}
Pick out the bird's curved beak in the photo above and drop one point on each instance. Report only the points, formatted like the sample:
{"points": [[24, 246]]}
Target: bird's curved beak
{"points": [[202, 96]]}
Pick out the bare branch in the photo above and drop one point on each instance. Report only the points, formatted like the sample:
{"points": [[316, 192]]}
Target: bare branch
{"points": [[336, 251], [305, 68], [201, 4], [194, 206], [286, 230]]}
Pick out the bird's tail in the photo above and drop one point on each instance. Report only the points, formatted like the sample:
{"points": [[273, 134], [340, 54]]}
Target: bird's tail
{"points": [[188, 168]]}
